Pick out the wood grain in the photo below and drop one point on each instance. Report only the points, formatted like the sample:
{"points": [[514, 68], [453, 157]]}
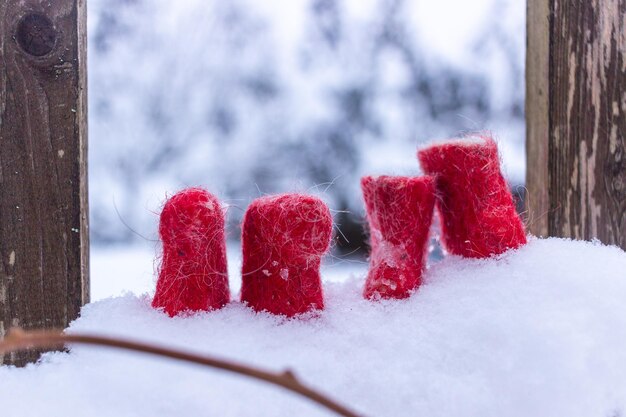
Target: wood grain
{"points": [[537, 109], [43, 177], [576, 148]]}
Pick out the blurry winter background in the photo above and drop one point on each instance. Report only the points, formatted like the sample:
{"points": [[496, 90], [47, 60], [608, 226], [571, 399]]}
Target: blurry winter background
{"points": [[249, 97]]}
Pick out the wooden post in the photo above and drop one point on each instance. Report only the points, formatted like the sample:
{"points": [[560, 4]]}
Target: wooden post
{"points": [[576, 119], [43, 151]]}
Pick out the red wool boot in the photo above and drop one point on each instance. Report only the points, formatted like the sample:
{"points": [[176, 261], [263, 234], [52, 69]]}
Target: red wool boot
{"points": [[477, 210], [399, 213], [193, 274], [284, 238]]}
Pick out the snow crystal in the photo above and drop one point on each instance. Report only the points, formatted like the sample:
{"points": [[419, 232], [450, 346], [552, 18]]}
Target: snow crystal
{"points": [[539, 331]]}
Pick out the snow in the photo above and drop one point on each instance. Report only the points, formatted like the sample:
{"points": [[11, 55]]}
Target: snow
{"points": [[116, 270], [536, 332]]}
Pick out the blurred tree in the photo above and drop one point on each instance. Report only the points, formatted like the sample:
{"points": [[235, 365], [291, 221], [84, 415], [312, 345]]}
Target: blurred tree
{"points": [[252, 97]]}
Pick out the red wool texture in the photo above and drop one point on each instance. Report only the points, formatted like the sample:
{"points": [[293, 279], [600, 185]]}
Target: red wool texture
{"points": [[193, 274], [399, 213], [476, 207], [284, 238]]}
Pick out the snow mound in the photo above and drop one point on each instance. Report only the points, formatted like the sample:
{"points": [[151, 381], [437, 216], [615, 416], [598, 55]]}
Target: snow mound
{"points": [[540, 331]]}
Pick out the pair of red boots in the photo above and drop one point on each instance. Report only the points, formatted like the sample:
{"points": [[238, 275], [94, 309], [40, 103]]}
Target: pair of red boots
{"points": [[283, 237], [478, 217]]}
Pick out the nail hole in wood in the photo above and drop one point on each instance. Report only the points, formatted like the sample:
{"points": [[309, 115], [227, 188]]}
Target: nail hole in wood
{"points": [[36, 34]]}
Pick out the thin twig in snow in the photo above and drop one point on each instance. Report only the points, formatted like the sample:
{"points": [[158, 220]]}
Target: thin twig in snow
{"points": [[18, 339]]}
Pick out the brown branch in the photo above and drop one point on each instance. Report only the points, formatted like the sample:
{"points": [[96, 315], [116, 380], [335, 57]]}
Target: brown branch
{"points": [[18, 339]]}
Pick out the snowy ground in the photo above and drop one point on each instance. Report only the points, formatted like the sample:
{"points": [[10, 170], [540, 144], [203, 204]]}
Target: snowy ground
{"points": [[538, 332]]}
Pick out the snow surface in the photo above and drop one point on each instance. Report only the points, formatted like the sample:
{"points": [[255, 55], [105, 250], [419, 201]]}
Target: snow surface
{"points": [[539, 331]]}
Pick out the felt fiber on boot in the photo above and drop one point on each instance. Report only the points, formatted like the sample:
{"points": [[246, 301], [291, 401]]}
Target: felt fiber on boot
{"points": [[399, 213], [284, 238], [193, 273], [477, 210]]}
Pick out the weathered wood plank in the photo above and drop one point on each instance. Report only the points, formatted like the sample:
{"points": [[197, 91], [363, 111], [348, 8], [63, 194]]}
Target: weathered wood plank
{"points": [[576, 148], [43, 150], [537, 132]]}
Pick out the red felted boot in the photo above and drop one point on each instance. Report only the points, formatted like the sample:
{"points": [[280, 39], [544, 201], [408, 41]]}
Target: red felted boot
{"points": [[399, 213], [193, 274], [477, 210], [284, 238]]}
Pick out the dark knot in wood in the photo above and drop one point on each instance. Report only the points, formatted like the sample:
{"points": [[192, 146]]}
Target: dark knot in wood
{"points": [[36, 34]]}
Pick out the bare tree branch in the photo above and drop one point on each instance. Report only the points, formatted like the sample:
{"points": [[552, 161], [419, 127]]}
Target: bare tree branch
{"points": [[18, 339]]}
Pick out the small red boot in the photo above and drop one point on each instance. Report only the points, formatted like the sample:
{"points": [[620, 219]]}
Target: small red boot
{"points": [[399, 213], [284, 238], [477, 210], [193, 274]]}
